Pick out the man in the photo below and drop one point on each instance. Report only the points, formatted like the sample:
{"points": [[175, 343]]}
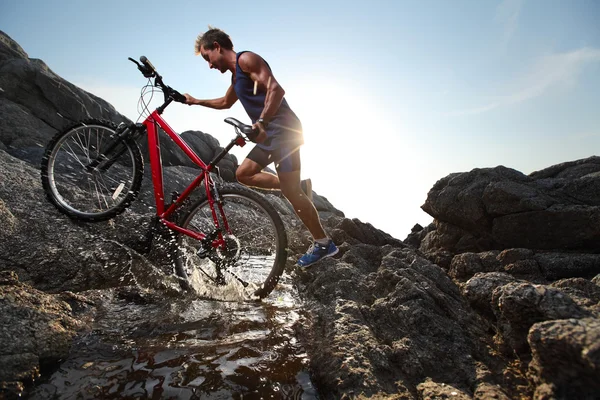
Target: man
{"points": [[279, 131]]}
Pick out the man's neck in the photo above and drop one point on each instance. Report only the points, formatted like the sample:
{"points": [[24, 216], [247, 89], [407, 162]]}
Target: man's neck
{"points": [[230, 57]]}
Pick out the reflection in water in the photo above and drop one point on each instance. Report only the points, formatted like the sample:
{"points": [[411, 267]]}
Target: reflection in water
{"points": [[198, 350]]}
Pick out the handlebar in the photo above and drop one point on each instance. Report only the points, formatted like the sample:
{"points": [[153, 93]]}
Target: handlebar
{"points": [[148, 70]]}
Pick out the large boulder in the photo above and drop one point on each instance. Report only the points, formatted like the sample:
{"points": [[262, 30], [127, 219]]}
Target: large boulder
{"points": [[36, 102], [53, 253], [499, 208]]}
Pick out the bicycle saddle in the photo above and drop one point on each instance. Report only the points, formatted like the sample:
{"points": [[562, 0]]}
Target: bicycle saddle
{"points": [[246, 129]]}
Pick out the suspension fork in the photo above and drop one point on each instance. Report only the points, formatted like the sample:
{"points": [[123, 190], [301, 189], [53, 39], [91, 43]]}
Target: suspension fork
{"points": [[115, 148], [216, 203]]}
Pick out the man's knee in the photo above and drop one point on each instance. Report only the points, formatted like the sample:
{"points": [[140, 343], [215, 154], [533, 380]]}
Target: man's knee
{"points": [[243, 175]]}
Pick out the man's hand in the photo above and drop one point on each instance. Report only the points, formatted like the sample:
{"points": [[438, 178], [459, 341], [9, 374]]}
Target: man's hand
{"points": [[262, 134], [189, 100]]}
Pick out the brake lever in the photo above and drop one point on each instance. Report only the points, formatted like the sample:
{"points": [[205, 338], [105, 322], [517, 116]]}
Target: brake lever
{"points": [[135, 62], [147, 72]]}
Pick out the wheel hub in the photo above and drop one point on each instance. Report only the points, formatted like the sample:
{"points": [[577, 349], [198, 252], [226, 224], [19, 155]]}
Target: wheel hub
{"points": [[232, 249]]}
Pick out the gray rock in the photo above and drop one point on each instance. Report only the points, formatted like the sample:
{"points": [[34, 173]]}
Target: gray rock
{"points": [[478, 290], [433, 390], [566, 358], [383, 320], [35, 102], [48, 250], [567, 265], [37, 330], [458, 198], [499, 208], [518, 306], [466, 265], [569, 170], [417, 234], [583, 291], [545, 230]]}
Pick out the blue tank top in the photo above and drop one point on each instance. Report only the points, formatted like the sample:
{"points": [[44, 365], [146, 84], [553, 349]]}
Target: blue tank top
{"points": [[284, 128]]}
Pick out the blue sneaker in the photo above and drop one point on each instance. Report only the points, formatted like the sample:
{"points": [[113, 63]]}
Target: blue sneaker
{"points": [[317, 252]]}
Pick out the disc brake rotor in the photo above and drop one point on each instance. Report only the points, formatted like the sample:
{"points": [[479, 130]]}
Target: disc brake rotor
{"points": [[232, 251]]}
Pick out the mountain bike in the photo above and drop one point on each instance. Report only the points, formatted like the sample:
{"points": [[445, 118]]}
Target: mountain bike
{"points": [[231, 235]]}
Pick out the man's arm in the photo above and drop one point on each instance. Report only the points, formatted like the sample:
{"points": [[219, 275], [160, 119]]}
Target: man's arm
{"points": [[260, 73], [219, 104]]}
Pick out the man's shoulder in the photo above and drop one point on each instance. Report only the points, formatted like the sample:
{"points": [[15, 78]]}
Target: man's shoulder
{"points": [[247, 55], [248, 58]]}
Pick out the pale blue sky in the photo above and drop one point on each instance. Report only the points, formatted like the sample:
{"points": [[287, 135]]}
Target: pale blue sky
{"points": [[393, 95]]}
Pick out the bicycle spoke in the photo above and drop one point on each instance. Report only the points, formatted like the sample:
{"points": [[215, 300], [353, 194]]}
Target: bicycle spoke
{"points": [[74, 155], [252, 231], [253, 250], [84, 192], [82, 146]]}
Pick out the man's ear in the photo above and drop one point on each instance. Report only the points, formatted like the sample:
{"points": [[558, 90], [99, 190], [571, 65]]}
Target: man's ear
{"points": [[216, 46]]}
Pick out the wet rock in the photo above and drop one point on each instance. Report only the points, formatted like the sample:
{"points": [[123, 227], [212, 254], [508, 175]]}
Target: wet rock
{"points": [[67, 255], [566, 358], [36, 332], [519, 305]]}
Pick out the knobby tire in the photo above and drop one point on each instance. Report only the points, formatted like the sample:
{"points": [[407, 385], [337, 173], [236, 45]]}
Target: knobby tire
{"points": [[257, 242], [96, 194]]}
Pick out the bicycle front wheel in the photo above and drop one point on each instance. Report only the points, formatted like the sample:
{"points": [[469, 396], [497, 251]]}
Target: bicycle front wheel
{"points": [[254, 254], [88, 174]]}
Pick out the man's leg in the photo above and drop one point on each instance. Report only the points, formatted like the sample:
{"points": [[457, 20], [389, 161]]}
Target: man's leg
{"points": [[289, 183], [251, 173]]}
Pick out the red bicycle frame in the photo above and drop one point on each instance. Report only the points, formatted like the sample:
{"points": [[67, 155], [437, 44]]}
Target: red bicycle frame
{"points": [[162, 211]]}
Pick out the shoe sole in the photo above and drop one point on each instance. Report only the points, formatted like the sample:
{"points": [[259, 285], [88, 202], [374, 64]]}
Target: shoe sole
{"points": [[322, 258]]}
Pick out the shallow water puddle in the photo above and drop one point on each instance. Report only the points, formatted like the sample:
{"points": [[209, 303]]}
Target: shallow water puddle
{"points": [[199, 349]]}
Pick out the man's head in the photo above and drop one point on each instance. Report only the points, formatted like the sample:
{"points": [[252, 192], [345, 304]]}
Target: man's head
{"points": [[210, 37], [210, 46]]}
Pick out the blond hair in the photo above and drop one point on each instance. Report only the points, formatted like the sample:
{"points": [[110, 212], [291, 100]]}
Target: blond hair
{"points": [[208, 39]]}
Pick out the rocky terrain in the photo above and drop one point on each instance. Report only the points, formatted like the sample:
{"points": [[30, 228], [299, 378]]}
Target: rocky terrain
{"points": [[498, 298]]}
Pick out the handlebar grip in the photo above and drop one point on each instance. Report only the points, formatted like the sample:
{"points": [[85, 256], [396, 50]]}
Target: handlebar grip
{"points": [[147, 62], [178, 97], [148, 69]]}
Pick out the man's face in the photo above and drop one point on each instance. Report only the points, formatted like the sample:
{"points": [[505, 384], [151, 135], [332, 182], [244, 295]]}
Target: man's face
{"points": [[213, 57]]}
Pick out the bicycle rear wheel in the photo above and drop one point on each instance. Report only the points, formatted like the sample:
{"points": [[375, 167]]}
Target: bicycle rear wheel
{"points": [[255, 253], [82, 180]]}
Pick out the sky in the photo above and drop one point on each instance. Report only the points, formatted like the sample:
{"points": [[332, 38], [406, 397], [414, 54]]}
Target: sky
{"points": [[392, 95]]}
